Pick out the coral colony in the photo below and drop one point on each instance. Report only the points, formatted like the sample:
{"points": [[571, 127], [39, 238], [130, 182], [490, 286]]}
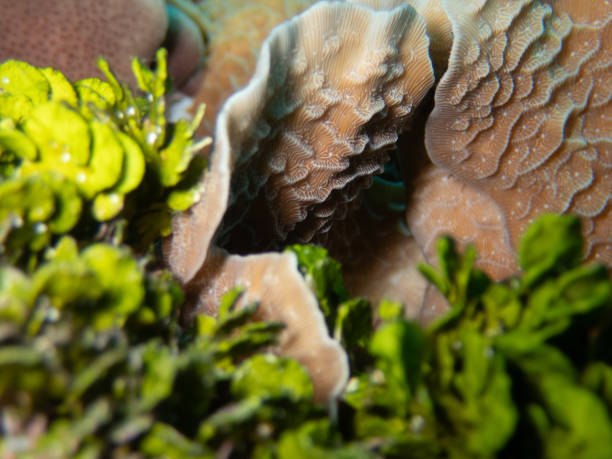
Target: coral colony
{"points": [[372, 129], [518, 129]]}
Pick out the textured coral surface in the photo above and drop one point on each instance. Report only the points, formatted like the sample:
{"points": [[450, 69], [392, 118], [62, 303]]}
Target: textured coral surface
{"points": [[519, 127], [236, 31], [524, 112], [342, 83], [70, 34]]}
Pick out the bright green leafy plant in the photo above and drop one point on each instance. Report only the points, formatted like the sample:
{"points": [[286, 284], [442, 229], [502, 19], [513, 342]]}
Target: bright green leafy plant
{"points": [[509, 370], [94, 361], [91, 353], [75, 155]]}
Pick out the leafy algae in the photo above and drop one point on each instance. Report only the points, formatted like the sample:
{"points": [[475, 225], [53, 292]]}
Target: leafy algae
{"points": [[94, 362]]}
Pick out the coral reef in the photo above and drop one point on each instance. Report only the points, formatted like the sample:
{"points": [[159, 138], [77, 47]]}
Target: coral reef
{"points": [[98, 345], [321, 129], [518, 128]]}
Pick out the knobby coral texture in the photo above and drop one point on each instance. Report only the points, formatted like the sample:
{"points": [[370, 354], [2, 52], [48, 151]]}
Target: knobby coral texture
{"points": [[524, 112], [520, 126], [70, 35]]}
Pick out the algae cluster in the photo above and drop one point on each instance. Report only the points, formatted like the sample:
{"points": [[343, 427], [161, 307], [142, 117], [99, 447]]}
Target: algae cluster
{"points": [[94, 363]]}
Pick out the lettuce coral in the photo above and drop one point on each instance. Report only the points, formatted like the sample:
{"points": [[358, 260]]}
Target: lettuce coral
{"points": [[505, 77]]}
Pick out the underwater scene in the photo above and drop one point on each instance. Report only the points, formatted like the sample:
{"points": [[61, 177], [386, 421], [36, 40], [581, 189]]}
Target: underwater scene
{"points": [[306, 229]]}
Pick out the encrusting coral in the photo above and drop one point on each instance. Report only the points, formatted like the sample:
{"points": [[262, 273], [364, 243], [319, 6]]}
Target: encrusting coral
{"points": [[524, 111], [69, 35], [185, 45]]}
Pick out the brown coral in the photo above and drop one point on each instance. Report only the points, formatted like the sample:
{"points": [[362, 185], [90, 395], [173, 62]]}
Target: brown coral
{"points": [[524, 111], [442, 204], [70, 35], [439, 28], [325, 119], [300, 142], [236, 29]]}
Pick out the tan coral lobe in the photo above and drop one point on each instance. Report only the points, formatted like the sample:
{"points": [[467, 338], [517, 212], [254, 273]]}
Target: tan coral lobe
{"points": [[439, 28], [329, 96], [334, 95], [273, 280], [524, 112], [521, 126], [442, 205]]}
